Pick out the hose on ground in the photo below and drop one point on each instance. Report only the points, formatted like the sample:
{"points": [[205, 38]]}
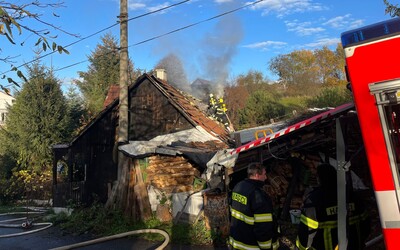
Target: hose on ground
{"points": [[46, 224], [118, 236], [24, 225]]}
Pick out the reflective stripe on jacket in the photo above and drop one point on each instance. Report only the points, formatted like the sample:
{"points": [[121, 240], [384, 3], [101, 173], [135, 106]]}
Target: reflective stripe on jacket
{"points": [[318, 223], [252, 223]]}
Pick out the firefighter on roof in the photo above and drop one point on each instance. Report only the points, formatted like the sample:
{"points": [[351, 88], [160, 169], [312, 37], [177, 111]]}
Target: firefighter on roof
{"points": [[212, 106]]}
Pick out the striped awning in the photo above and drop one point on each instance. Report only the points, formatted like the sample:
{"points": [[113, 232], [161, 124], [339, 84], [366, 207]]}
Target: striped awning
{"points": [[290, 129]]}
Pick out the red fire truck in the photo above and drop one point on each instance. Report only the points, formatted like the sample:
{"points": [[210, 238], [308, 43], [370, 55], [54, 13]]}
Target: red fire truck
{"points": [[373, 70]]}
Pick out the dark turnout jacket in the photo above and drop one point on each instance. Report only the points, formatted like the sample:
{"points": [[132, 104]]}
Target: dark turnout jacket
{"points": [[318, 222], [252, 223]]}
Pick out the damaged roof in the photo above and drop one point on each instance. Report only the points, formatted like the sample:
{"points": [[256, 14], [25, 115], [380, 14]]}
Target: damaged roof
{"points": [[190, 110], [182, 103]]}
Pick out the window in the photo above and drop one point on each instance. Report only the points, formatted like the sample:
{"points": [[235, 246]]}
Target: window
{"points": [[387, 95]]}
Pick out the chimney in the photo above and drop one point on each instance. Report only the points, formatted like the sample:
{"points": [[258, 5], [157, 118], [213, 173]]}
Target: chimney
{"points": [[161, 74]]}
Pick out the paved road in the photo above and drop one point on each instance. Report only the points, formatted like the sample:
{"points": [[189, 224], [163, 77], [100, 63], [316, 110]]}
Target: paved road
{"points": [[54, 237]]}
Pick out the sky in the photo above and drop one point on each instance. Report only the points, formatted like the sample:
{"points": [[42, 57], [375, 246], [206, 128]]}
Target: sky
{"points": [[210, 45]]}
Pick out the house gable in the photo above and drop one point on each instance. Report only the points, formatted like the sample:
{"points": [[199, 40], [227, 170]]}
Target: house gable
{"points": [[152, 114]]}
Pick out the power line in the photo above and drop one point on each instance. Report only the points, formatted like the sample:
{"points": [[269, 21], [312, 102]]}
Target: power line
{"points": [[100, 31], [173, 31]]}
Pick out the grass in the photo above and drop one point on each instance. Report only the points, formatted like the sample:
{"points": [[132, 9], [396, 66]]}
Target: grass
{"points": [[99, 222]]}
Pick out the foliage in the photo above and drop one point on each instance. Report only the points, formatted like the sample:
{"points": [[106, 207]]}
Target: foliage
{"points": [[391, 9], [102, 73], [260, 108], [76, 110], [330, 97], [37, 120], [28, 185], [13, 17], [237, 94], [101, 222], [303, 70]]}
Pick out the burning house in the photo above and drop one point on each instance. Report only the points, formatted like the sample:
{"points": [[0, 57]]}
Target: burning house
{"points": [[170, 142]]}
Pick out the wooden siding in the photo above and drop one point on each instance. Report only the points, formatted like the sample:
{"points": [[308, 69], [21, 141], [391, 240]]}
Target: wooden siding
{"points": [[65, 194], [90, 159], [151, 114]]}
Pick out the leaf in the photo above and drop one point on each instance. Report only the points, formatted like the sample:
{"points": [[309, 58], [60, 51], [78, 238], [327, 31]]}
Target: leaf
{"points": [[65, 51], [7, 90], [9, 38], [7, 23], [21, 75], [16, 25], [38, 41], [10, 80]]}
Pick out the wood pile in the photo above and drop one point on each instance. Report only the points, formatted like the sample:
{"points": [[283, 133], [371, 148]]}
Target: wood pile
{"points": [[170, 174], [281, 178]]}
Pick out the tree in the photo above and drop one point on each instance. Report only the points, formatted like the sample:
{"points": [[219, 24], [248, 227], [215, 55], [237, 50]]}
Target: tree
{"points": [[392, 10], [76, 110], [330, 97], [331, 65], [260, 108], [12, 19], [103, 71], [237, 94], [296, 68], [37, 120], [302, 72]]}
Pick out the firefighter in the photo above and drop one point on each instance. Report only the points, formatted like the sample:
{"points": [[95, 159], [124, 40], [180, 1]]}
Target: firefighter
{"points": [[318, 221], [221, 112], [212, 106], [252, 222]]}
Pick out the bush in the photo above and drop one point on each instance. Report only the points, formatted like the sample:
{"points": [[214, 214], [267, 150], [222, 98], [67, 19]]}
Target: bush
{"points": [[101, 222], [330, 97]]}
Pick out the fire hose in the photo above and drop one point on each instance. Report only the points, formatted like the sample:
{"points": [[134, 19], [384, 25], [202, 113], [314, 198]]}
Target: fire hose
{"points": [[24, 225], [119, 236]]}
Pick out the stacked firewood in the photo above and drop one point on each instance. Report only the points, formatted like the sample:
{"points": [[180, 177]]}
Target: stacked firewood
{"points": [[170, 174], [281, 176]]}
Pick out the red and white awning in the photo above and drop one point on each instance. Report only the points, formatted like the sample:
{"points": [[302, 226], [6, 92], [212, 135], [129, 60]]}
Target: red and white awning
{"points": [[294, 127]]}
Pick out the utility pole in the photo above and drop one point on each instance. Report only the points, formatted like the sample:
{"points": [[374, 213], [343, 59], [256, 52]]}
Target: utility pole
{"points": [[123, 79]]}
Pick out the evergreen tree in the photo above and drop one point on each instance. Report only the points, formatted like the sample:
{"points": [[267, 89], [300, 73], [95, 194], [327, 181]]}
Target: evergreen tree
{"points": [[103, 71], [37, 120], [76, 111]]}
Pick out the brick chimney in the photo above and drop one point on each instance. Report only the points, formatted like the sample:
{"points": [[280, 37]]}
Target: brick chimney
{"points": [[161, 74]]}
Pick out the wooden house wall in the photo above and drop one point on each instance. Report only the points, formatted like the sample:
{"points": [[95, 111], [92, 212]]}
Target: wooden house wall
{"points": [[90, 160], [151, 114], [170, 174]]}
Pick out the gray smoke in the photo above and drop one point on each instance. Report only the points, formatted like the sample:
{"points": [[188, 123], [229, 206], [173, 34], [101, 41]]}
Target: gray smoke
{"points": [[176, 75], [219, 46]]}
